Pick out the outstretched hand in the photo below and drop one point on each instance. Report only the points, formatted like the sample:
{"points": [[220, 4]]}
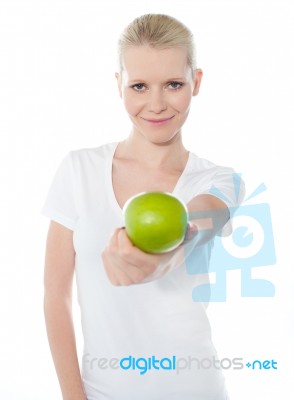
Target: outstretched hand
{"points": [[125, 264]]}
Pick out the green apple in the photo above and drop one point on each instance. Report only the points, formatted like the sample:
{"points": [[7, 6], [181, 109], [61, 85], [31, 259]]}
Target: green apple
{"points": [[155, 222]]}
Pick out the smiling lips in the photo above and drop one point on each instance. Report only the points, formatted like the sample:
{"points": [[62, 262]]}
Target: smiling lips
{"points": [[157, 122]]}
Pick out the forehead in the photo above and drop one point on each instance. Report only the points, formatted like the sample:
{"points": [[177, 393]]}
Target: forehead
{"points": [[146, 62]]}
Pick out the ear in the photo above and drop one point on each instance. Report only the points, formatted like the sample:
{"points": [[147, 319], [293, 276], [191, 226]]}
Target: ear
{"points": [[118, 78], [197, 81]]}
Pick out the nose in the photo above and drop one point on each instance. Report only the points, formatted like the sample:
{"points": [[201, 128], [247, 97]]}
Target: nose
{"points": [[157, 102]]}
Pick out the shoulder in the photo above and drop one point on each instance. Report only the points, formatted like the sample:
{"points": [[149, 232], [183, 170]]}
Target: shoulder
{"points": [[104, 151], [206, 177], [221, 181], [89, 157], [83, 161], [203, 167]]}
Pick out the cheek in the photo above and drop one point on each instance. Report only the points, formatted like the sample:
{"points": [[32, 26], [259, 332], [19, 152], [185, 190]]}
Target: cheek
{"points": [[182, 102], [132, 104]]}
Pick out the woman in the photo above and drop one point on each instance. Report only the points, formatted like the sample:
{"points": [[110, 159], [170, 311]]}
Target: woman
{"points": [[144, 336]]}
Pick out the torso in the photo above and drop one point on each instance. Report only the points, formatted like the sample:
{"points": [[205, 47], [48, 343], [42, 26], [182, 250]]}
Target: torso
{"points": [[130, 177], [158, 318]]}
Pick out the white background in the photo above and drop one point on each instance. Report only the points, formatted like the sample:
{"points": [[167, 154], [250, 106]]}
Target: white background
{"points": [[58, 93]]}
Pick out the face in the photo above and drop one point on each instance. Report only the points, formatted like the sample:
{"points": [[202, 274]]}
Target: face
{"points": [[157, 88]]}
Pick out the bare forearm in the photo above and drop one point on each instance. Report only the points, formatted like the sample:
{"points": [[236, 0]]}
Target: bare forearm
{"points": [[209, 214], [62, 343]]}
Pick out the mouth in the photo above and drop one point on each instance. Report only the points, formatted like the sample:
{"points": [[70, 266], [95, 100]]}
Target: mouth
{"points": [[158, 121]]}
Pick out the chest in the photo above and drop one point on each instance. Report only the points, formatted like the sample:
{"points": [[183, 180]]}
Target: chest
{"points": [[129, 179]]}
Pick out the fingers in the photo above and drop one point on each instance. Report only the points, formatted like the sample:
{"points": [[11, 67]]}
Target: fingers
{"points": [[133, 254], [123, 262]]}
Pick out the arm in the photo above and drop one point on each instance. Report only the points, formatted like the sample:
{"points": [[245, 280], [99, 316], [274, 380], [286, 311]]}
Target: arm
{"points": [[125, 264], [58, 277], [209, 214]]}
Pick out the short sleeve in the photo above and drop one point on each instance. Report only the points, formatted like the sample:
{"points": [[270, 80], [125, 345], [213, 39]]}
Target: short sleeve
{"points": [[229, 187], [60, 204]]}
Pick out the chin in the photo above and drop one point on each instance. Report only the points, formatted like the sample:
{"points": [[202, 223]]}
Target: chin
{"points": [[163, 141], [160, 137]]}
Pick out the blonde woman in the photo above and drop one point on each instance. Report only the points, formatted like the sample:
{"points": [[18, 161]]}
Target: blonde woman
{"points": [[144, 336]]}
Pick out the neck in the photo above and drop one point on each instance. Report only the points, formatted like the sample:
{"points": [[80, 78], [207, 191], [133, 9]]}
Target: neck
{"points": [[171, 154]]}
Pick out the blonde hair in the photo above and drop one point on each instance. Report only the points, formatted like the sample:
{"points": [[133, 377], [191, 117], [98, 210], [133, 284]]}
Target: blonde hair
{"points": [[159, 31]]}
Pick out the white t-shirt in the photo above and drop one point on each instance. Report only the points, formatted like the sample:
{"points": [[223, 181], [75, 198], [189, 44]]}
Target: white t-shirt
{"points": [[141, 342]]}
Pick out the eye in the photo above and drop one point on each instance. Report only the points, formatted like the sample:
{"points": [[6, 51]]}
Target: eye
{"points": [[138, 87], [175, 85]]}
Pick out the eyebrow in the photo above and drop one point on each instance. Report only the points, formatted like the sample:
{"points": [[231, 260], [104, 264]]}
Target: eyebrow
{"points": [[167, 80]]}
